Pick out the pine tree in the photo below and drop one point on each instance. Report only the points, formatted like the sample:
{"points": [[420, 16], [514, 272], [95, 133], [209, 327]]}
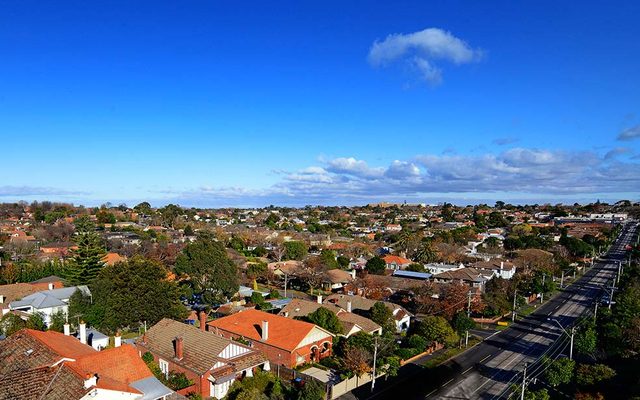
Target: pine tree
{"points": [[86, 261]]}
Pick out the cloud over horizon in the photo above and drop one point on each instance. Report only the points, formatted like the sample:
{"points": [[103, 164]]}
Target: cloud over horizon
{"points": [[538, 173], [423, 51]]}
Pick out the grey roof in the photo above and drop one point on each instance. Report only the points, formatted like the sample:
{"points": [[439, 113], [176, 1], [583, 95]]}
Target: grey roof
{"points": [[151, 388], [97, 335], [48, 298], [411, 274]]}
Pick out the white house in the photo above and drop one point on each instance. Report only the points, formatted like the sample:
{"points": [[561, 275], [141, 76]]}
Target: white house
{"points": [[47, 302]]}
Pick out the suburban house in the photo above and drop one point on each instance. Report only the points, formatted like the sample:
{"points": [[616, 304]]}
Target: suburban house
{"points": [[468, 276], [47, 302], [337, 278], [438, 268], [359, 304], [212, 362], [284, 341], [351, 323], [50, 365], [499, 268], [17, 291], [396, 262]]}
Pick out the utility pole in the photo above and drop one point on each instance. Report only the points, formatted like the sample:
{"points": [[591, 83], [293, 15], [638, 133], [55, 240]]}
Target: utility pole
{"points": [[619, 271], [285, 285], [513, 314], [469, 304], [375, 356], [542, 294], [524, 381], [562, 280], [573, 332], [595, 312]]}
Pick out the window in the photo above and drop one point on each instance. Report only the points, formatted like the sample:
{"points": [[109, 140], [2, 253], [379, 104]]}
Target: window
{"points": [[164, 366]]}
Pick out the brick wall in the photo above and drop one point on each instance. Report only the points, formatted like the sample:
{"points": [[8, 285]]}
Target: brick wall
{"points": [[280, 356], [201, 383]]}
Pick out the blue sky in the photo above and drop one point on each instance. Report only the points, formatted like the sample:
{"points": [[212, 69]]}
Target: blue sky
{"points": [[208, 103]]}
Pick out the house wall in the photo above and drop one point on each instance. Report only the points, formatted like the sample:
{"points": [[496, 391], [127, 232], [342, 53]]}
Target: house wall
{"points": [[276, 355], [201, 382]]}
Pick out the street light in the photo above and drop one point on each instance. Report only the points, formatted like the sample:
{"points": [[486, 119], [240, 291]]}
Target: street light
{"points": [[573, 332]]}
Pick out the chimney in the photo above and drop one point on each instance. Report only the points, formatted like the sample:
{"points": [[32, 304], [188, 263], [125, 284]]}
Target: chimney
{"points": [[67, 329], [286, 314], [501, 265], [90, 380], [50, 286], [179, 347], [117, 340], [349, 306], [319, 299], [83, 332], [203, 320], [265, 331]]}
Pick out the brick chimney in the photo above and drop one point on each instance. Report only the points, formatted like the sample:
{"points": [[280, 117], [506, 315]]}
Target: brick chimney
{"points": [[203, 320], [178, 343], [265, 331]]}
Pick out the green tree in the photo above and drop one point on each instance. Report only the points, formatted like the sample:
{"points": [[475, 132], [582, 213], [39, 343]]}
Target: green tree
{"points": [[143, 208], [212, 274], [105, 217], [415, 267], [36, 322], [295, 250], [437, 329], [188, 231], [558, 371], [328, 258], [461, 323], [58, 319], [376, 266], [86, 262], [10, 324], [326, 319], [590, 374], [586, 340], [312, 390], [383, 316], [272, 220], [135, 291]]}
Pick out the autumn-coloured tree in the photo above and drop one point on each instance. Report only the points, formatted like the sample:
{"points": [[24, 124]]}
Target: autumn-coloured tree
{"points": [[357, 360]]}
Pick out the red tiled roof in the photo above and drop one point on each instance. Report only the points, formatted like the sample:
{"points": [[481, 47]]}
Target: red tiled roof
{"points": [[110, 362], [391, 259], [284, 333]]}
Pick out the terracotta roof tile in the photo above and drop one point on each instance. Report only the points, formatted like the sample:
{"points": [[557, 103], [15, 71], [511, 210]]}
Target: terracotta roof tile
{"points": [[284, 333]]}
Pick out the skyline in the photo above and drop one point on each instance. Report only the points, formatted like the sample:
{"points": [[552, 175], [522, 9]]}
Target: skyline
{"points": [[341, 104]]}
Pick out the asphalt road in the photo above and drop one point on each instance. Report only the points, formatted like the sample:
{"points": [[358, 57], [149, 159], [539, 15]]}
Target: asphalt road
{"points": [[488, 370]]}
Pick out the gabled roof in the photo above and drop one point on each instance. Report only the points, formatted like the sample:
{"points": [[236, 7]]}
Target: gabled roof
{"points": [[393, 259], [464, 274], [46, 356], [16, 291], [48, 298], [284, 333], [302, 308], [200, 348]]}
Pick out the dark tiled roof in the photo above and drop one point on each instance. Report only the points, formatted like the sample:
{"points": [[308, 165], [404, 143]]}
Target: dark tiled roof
{"points": [[51, 383], [200, 348]]}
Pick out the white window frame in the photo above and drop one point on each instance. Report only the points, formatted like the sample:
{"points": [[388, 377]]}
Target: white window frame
{"points": [[164, 366]]}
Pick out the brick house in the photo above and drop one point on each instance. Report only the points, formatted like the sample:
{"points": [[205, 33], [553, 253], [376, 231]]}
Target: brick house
{"points": [[50, 365], [212, 362], [283, 340]]}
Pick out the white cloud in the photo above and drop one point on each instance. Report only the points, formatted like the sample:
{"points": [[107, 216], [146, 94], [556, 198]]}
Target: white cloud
{"points": [[539, 174], [630, 133], [422, 50]]}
